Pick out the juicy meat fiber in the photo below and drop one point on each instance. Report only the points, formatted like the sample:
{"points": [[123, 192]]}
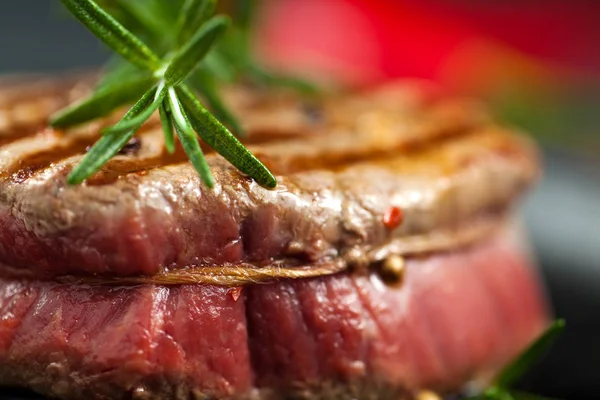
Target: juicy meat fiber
{"points": [[458, 316]]}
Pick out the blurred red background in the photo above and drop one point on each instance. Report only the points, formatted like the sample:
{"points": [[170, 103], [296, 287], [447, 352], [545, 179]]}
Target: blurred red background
{"points": [[463, 44], [535, 61]]}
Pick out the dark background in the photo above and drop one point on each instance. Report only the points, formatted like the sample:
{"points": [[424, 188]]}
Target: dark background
{"points": [[562, 215], [38, 35]]}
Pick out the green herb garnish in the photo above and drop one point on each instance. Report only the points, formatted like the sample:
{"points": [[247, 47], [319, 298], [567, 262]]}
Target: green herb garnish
{"points": [[501, 388], [229, 60], [159, 79]]}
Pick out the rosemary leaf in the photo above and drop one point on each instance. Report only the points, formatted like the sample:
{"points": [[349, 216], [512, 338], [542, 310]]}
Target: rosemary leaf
{"points": [[518, 395], [244, 12], [194, 50], [151, 21], [193, 14], [216, 65], [499, 394], [527, 359], [118, 71], [102, 102], [206, 85], [112, 33], [189, 140], [167, 125], [494, 393], [219, 138], [136, 122], [145, 13], [108, 145], [272, 79]]}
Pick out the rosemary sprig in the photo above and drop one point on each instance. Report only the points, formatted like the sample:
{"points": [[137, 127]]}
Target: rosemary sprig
{"points": [[140, 16], [167, 124], [107, 98], [501, 388], [231, 59], [193, 13], [113, 34], [161, 80], [186, 59], [220, 139]]}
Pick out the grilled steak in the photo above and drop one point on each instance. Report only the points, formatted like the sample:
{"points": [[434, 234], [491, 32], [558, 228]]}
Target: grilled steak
{"points": [[392, 182], [444, 165]]}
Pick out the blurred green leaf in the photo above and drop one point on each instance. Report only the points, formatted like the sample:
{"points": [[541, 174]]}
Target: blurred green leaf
{"points": [[194, 50], [102, 102], [516, 369], [112, 33], [137, 121]]}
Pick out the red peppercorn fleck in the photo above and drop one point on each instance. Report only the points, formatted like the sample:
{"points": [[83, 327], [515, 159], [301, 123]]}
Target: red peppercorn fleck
{"points": [[235, 292], [393, 217]]}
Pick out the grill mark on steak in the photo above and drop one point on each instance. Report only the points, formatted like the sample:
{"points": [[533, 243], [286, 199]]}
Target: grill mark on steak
{"points": [[66, 145], [452, 120], [12, 129], [113, 170], [293, 163], [24, 110], [24, 90], [42, 160], [383, 138], [27, 103], [19, 133]]}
